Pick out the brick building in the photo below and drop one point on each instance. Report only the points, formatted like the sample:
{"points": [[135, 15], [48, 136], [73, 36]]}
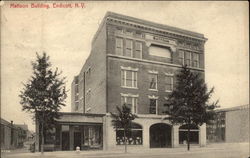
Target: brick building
{"points": [[231, 125], [134, 61]]}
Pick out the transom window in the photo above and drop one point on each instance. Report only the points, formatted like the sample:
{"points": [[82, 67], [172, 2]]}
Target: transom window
{"points": [[153, 81], [128, 51], [119, 46], [131, 101], [129, 78]]}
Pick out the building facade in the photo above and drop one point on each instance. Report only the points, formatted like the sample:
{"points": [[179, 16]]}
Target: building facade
{"points": [[231, 125], [12, 136], [135, 61]]}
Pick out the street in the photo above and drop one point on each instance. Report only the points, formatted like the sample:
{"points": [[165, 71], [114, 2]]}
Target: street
{"points": [[222, 150]]}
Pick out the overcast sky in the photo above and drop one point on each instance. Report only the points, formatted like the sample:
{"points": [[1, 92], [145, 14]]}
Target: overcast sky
{"points": [[66, 34]]}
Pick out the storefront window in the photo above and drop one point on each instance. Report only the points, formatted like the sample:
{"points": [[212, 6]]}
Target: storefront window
{"points": [[133, 136]]}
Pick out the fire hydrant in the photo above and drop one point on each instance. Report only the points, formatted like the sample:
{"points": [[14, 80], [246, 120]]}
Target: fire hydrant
{"points": [[77, 149]]}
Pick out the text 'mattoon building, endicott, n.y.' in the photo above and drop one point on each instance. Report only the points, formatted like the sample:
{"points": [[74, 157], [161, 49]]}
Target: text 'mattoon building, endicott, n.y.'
{"points": [[132, 61]]}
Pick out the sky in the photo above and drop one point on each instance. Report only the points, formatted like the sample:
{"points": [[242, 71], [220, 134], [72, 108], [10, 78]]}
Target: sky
{"points": [[65, 34]]}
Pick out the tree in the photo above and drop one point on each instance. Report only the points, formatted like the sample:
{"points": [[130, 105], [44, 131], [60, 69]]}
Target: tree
{"points": [[189, 101], [123, 119], [43, 95]]}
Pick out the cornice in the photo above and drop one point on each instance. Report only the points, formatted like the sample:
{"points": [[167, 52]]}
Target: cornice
{"points": [[154, 29]]}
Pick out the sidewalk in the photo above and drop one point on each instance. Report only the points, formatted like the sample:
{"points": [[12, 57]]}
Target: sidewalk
{"points": [[132, 152]]}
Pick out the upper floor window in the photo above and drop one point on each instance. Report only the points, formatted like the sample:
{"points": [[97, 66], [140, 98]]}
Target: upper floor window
{"points": [[188, 58], [128, 51], [129, 78], [153, 105], [181, 57], [152, 81], [76, 89], [119, 46], [195, 60], [138, 34], [169, 83], [119, 30], [128, 32], [76, 106], [138, 50], [131, 101]]}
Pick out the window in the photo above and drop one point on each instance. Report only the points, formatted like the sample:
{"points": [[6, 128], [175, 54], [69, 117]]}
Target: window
{"points": [[133, 136], [153, 81], [128, 51], [76, 89], [2, 134], [188, 58], [119, 30], [169, 83], [129, 78], [138, 50], [128, 32], [195, 60], [119, 46], [152, 106], [181, 57], [138, 34], [76, 106], [131, 101]]}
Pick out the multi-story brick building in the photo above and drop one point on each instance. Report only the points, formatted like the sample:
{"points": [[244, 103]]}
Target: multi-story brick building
{"points": [[135, 61]]}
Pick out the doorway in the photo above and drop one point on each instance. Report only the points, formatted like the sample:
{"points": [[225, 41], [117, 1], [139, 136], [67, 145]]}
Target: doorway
{"points": [[160, 135]]}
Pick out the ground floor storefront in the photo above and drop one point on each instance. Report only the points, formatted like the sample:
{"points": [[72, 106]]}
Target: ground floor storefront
{"points": [[95, 132]]}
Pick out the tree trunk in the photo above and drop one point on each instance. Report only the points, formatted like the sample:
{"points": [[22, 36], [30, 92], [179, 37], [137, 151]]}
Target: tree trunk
{"points": [[188, 138], [42, 143], [125, 141]]}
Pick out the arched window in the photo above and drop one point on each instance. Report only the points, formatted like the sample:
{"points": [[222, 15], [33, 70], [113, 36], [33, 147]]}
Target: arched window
{"points": [[133, 136]]}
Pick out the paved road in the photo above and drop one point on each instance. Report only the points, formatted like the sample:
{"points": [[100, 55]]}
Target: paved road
{"points": [[211, 151]]}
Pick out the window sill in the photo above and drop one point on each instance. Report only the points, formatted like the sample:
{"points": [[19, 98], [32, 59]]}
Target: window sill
{"points": [[168, 91], [156, 90], [129, 87]]}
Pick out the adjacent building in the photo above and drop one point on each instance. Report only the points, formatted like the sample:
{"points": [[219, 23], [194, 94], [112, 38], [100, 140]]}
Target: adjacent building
{"points": [[132, 61], [12, 136], [230, 125]]}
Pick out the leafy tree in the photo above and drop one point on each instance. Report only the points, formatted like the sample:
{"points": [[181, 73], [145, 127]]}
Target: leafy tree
{"points": [[123, 119], [188, 103], [43, 95]]}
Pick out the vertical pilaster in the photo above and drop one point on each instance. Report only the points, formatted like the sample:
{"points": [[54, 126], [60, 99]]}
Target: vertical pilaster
{"points": [[146, 137], [175, 136], [202, 135], [110, 133]]}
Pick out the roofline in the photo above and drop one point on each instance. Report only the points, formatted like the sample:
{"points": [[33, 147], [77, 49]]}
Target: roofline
{"points": [[154, 24], [241, 107], [148, 23]]}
